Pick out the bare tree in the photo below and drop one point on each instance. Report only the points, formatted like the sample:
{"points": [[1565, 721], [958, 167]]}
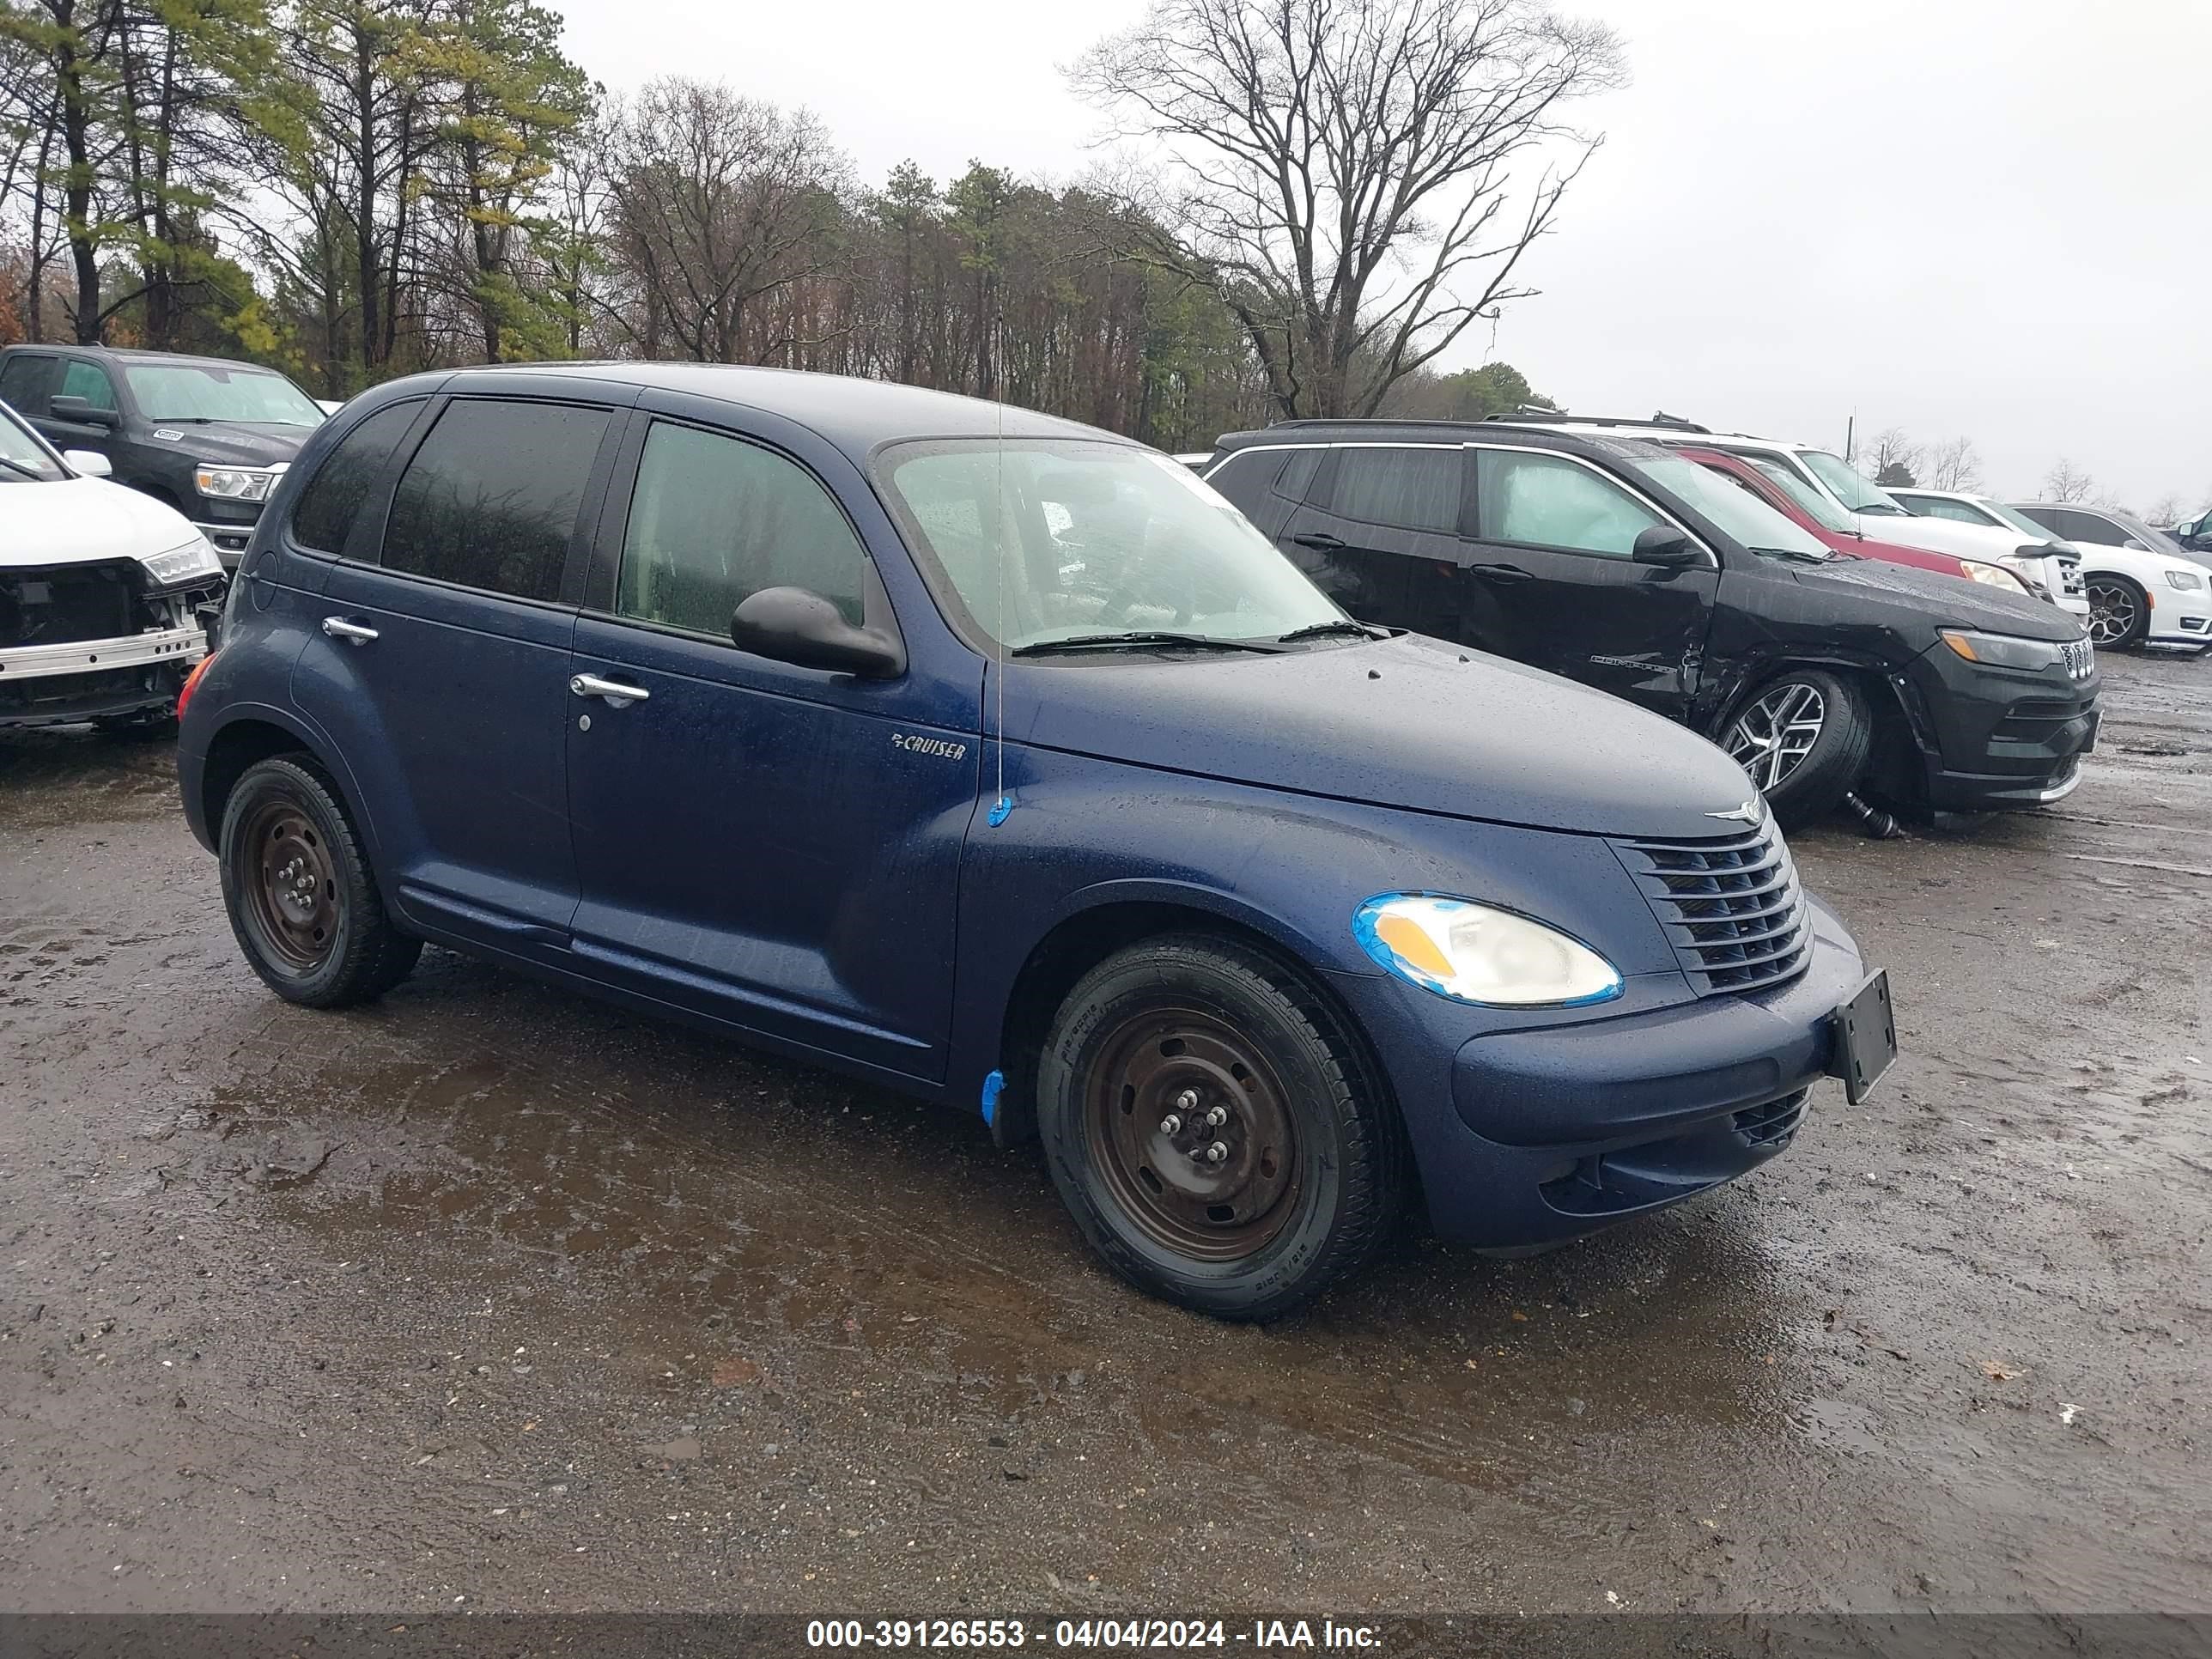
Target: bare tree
{"points": [[2066, 482], [1891, 458], [1953, 465], [2167, 509], [1357, 180]]}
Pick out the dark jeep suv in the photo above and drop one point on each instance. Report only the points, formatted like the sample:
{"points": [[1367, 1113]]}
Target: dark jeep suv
{"points": [[1620, 564], [208, 436]]}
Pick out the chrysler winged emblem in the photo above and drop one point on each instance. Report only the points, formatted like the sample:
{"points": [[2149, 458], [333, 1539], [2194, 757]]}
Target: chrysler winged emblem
{"points": [[1747, 813]]}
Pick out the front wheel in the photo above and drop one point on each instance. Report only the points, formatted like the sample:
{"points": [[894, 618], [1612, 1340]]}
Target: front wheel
{"points": [[301, 897], [1215, 1131], [2119, 611], [1804, 737]]}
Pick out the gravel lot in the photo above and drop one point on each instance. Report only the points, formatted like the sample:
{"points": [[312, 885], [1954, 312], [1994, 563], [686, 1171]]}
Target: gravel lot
{"points": [[491, 1296]]}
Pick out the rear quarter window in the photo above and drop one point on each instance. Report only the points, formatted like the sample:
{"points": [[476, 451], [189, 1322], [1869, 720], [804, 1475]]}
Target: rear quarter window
{"points": [[335, 495]]}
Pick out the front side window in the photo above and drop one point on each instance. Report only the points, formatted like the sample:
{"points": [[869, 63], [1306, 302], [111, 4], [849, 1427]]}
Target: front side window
{"points": [[1546, 500], [176, 394], [88, 381], [1406, 489], [340, 489], [490, 499], [23, 458], [715, 519], [1044, 540]]}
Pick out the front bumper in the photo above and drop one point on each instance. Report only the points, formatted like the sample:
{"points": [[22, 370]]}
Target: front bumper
{"points": [[1998, 740], [89, 680], [1559, 1130], [2179, 616], [229, 538]]}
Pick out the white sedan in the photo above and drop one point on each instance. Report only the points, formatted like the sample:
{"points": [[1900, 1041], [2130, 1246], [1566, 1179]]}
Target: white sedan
{"points": [[104, 591]]}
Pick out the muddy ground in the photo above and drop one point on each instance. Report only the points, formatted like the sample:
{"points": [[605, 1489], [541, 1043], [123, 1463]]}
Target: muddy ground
{"points": [[493, 1297]]}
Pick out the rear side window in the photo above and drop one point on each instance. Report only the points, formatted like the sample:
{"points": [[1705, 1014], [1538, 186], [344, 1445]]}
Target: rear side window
{"points": [[88, 381], [490, 499], [335, 495], [1546, 501], [1407, 488], [23, 383], [714, 520], [1244, 477]]}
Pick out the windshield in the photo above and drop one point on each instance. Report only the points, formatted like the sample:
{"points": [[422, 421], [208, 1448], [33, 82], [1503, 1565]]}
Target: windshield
{"points": [[1731, 507], [1814, 505], [1850, 485], [1048, 539], [208, 391], [23, 458]]}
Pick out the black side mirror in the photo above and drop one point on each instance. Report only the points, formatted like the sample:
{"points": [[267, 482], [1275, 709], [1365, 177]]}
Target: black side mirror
{"points": [[1667, 547], [799, 626], [77, 410]]}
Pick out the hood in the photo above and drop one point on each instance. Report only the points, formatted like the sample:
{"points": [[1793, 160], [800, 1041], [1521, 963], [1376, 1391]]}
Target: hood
{"points": [[76, 520], [242, 443], [1944, 601], [1405, 722], [1966, 541]]}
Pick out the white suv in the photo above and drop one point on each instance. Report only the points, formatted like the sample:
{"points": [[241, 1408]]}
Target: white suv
{"points": [[2039, 559], [2145, 589]]}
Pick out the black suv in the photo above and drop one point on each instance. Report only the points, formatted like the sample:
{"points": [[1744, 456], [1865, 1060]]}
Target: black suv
{"points": [[1620, 564], [208, 436]]}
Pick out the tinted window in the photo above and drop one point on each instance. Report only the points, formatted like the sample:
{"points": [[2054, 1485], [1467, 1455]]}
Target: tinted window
{"points": [[1406, 488], [2074, 525], [1549, 502], [491, 497], [1245, 478], [714, 520], [334, 496], [88, 381], [22, 383]]}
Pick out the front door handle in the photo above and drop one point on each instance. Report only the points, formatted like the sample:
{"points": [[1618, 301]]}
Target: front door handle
{"points": [[1502, 573], [616, 694], [352, 633], [1321, 540]]}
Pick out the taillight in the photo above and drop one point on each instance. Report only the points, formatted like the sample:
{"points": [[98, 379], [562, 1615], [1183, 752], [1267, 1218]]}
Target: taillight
{"points": [[191, 682]]}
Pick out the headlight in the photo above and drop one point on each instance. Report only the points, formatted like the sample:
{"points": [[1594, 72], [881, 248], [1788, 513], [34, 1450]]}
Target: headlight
{"points": [[1994, 575], [2184, 579], [1472, 953], [2001, 650], [237, 484], [194, 558]]}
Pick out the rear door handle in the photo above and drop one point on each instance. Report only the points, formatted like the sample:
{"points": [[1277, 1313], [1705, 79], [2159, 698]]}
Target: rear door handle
{"points": [[614, 692], [352, 633], [1502, 573], [1320, 540]]}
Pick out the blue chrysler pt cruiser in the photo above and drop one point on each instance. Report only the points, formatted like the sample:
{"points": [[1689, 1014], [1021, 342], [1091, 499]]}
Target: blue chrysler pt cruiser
{"points": [[998, 760]]}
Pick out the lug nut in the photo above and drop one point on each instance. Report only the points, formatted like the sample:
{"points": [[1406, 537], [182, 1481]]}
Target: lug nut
{"points": [[1187, 1101], [1217, 1117], [1218, 1152], [1169, 1124]]}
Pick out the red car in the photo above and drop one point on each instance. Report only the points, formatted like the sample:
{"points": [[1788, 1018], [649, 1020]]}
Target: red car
{"points": [[1788, 495]]}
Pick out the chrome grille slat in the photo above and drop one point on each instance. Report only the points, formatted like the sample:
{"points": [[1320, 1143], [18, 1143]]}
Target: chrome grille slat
{"points": [[1730, 907]]}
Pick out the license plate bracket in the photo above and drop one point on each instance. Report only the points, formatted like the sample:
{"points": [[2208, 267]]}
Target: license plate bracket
{"points": [[1865, 1037]]}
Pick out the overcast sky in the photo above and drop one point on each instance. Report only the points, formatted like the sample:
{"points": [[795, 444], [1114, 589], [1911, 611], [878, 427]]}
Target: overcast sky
{"points": [[1986, 217]]}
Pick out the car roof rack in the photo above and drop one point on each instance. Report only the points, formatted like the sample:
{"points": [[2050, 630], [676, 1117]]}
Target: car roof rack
{"points": [[1527, 415]]}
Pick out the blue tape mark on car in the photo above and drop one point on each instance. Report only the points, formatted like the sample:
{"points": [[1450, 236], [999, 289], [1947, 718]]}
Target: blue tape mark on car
{"points": [[994, 1085], [1001, 811]]}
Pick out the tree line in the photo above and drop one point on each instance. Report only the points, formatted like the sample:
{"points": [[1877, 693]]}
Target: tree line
{"points": [[352, 190]]}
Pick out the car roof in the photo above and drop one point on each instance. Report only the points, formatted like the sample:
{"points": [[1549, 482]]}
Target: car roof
{"points": [[855, 415], [1384, 431], [1666, 432], [142, 355]]}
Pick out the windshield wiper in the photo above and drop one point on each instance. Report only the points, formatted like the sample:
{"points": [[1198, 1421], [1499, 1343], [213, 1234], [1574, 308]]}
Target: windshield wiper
{"points": [[1137, 640], [14, 466], [1340, 625], [1797, 553], [1884, 509]]}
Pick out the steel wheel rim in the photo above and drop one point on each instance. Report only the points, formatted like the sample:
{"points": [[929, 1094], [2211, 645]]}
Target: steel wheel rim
{"points": [[1150, 1101], [1771, 737], [2112, 613], [291, 886]]}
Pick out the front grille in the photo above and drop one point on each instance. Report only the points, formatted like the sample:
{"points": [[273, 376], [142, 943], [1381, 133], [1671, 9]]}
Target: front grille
{"points": [[1772, 1124], [2079, 658], [63, 604], [2069, 578], [1731, 907]]}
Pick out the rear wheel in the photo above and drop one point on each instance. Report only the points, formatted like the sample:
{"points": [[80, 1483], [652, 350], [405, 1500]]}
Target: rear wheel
{"points": [[1804, 737], [2119, 610], [302, 900], [1215, 1131]]}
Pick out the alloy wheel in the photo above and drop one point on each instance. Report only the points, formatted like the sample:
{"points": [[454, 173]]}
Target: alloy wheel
{"points": [[1193, 1132], [1771, 738], [2113, 613]]}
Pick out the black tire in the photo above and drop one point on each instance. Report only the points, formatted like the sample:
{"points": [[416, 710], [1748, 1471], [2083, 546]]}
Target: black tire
{"points": [[302, 900], [1803, 787], [2119, 610], [1313, 1173]]}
